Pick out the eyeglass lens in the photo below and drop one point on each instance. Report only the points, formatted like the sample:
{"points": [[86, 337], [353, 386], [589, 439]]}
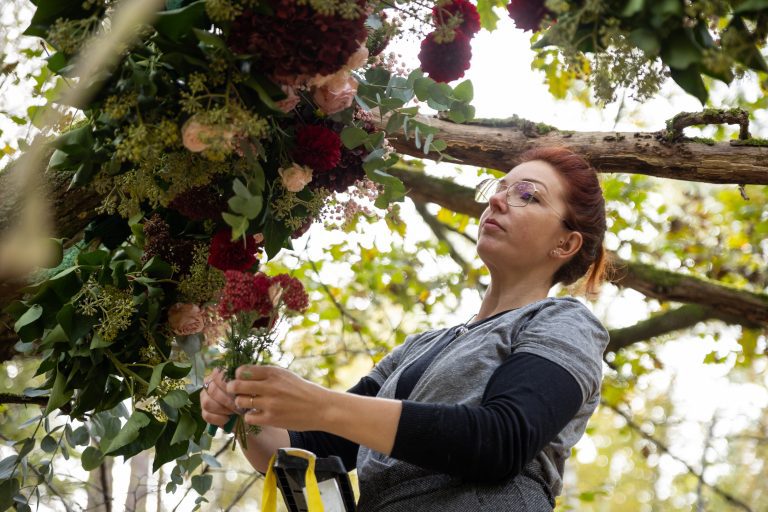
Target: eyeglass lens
{"points": [[518, 194]]}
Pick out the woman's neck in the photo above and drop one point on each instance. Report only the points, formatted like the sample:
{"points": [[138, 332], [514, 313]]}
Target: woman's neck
{"points": [[511, 294]]}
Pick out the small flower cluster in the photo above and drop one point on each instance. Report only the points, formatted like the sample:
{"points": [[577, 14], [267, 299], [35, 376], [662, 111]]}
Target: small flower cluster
{"points": [[261, 294], [446, 52]]}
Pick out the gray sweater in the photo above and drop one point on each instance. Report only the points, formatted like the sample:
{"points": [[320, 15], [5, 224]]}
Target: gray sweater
{"points": [[561, 330]]}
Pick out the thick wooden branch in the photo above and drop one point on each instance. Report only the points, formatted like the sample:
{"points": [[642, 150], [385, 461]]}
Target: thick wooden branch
{"points": [[739, 305], [677, 319], [496, 145]]}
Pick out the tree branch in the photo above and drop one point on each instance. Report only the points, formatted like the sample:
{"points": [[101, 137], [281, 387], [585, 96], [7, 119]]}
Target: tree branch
{"points": [[497, 145], [664, 448], [677, 319]]}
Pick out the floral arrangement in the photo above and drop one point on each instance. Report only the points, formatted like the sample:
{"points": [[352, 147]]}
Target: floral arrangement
{"points": [[223, 133]]}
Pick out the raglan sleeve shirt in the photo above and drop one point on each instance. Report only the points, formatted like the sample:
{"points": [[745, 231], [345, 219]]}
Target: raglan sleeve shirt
{"points": [[554, 368]]}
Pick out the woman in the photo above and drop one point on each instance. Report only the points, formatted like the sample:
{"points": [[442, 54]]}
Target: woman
{"points": [[477, 417]]}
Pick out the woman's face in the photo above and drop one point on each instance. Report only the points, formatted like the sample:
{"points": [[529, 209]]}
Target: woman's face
{"points": [[521, 237]]}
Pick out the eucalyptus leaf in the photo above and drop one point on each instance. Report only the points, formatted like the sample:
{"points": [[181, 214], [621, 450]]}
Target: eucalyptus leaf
{"points": [[91, 458], [48, 444], [464, 91], [7, 466], [202, 483], [352, 137]]}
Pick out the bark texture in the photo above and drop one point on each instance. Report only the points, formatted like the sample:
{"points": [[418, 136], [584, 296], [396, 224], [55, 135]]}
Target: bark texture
{"points": [[496, 144]]}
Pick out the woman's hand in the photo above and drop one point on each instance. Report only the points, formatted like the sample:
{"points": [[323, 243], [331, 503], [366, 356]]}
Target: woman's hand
{"points": [[276, 397], [217, 404]]}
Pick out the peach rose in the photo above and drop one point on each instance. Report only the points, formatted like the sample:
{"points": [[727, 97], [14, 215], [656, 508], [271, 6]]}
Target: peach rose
{"points": [[291, 101], [186, 319], [198, 137], [336, 94], [358, 59], [295, 177]]}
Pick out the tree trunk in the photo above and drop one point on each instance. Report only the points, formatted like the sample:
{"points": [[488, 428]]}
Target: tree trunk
{"points": [[138, 488], [100, 488]]}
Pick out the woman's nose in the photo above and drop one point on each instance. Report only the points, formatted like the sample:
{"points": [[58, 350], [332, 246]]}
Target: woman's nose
{"points": [[498, 201]]}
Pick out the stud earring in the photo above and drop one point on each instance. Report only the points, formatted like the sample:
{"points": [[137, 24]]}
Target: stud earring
{"points": [[555, 253]]}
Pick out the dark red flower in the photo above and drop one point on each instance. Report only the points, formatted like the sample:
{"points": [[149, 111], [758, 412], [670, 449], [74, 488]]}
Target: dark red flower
{"points": [[527, 14], [318, 147], [470, 23], [225, 254], [292, 294], [244, 293], [296, 40], [200, 203], [445, 62], [159, 242]]}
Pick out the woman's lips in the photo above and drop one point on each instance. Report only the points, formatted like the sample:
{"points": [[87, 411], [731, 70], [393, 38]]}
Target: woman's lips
{"points": [[492, 224]]}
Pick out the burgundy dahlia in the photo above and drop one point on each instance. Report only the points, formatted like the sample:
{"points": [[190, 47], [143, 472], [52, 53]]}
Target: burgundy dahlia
{"points": [[297, 40], [445, 62], [527, 14], [200, 203], [228, 255], [470, 23], [159, 242], [318, 147]]}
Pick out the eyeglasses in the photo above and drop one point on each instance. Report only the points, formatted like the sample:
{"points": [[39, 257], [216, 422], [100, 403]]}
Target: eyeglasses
{"points": [[519, 193]]}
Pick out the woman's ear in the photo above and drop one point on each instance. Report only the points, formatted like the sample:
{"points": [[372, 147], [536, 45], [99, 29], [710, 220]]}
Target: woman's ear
{"points": [[570, 244]]}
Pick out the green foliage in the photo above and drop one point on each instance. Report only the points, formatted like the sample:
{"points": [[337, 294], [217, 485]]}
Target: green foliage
{"points": [[619, 45]]}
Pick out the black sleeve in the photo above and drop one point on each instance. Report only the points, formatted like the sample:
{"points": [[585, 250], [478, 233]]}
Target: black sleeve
{"points": [[324, 444], [528, 400]]}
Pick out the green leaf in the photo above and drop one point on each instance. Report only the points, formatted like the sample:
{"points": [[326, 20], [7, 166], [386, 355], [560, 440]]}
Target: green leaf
{"points": [[165, 451], [91, 458], [422, 87], [127, 434], [157, 268], [377, 76], [646, 40], [80, 436], [750, 6], [176, 399], [177, 23], [680, 50], [7, 466], [8, 489], [247, 207], [29, 317], [691, 82], [169, 369], [464, 91], [738, 41], [48, 444], [632, 8], [202, 483], [395, 122], [238, 223], [59, 394], [488, 18], [209, 39], [352, 137], [185, 429], [48, 11]]}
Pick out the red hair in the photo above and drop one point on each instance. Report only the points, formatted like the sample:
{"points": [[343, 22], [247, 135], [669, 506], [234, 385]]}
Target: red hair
{"points": [[585, 213]]}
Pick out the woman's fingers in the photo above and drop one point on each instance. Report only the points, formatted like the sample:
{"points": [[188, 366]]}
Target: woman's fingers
{"points": [[214, 397]]}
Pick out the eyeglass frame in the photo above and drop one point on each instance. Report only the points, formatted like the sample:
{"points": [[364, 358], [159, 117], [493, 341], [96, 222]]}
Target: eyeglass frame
{"points": [[535, 194]]}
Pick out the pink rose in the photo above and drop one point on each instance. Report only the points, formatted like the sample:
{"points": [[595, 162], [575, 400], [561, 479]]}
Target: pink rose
{"points": [[336, 94], [358, 59], [186, 319], [198, 137], [291, 101], [295, 177]]}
